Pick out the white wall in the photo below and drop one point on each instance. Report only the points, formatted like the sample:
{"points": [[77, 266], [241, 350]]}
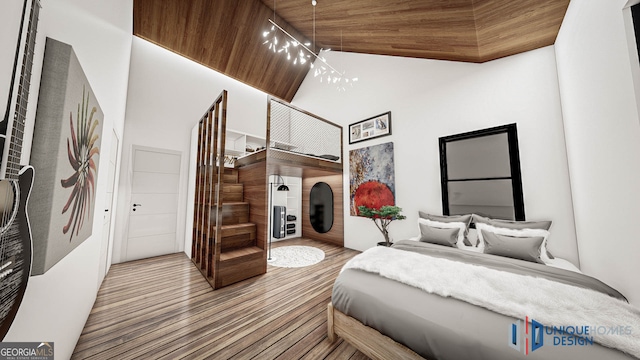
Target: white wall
{"points": [[57, 303], [429, 99], [167, 96], [600, 113]]}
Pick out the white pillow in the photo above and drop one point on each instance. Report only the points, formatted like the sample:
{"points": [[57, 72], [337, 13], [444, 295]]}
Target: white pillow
{"points": [[515, 233], [447, 225]]}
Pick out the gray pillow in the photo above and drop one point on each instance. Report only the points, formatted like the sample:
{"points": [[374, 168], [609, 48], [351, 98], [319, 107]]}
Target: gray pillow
{"points": [[510, 224], [446, 237], [523, 248], [516, 225], [466, 219], [475, 218]]}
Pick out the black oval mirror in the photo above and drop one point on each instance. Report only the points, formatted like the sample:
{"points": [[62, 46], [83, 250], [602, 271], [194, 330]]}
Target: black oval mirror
{"points": [[321, 207]]}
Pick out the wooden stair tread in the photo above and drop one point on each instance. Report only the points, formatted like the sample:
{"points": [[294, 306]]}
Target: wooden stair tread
{"points": [[240, 252], [237, 226], [229, 203], [232, 214]]}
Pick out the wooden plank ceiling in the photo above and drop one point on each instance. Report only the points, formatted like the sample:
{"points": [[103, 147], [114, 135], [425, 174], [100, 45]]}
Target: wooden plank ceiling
{"points": [[226, 35]]}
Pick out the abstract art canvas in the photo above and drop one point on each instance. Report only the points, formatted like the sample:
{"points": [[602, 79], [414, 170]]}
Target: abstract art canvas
{"points": [[65, 155], [371, 177]]}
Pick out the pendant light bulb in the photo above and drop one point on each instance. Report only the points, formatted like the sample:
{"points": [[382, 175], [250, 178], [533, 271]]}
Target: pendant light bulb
{"points": [[305, 52]]}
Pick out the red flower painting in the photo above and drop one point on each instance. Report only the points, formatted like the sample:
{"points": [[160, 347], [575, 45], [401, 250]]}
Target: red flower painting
{"points": [[81, 149], [373, 195], [371, 177]]}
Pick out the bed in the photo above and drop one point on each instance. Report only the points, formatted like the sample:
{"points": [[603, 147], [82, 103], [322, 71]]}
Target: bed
{"points": [[385, 318]]}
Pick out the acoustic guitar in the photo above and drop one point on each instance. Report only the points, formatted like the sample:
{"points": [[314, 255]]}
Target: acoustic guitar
{"points": [[15, 187]]}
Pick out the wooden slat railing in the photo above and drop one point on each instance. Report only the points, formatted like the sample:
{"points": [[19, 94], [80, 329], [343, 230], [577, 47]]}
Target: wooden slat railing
{"points": [[206, 229]]}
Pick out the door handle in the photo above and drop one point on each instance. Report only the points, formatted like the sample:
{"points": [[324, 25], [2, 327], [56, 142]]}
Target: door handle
{"points": [[134, 205]]}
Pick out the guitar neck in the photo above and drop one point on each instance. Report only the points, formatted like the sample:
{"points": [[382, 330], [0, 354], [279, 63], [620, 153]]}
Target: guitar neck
{"points": [[12, 149]]}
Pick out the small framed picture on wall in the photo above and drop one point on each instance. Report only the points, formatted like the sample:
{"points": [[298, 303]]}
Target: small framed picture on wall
{"points": [[373, 127]]}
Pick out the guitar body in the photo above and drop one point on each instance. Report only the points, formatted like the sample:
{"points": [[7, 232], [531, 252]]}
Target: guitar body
{"points": [[15, 246]]}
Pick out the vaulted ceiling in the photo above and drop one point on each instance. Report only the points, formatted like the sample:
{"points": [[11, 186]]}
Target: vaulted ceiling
{"points": [[225, 35]]}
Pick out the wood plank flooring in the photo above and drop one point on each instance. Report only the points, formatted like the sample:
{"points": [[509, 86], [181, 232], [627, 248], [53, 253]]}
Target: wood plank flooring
{"points": [[162, 308]]}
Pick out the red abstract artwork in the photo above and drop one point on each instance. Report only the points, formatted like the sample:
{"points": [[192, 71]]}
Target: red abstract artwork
{"points": [[372, 178], [374, 195]]}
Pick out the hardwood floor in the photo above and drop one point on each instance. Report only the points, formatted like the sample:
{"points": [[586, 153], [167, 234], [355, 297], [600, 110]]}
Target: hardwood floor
{"points": [[162, 308]]}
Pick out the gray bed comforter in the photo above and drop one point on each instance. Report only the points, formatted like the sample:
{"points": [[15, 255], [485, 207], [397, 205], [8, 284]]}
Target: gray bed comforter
{"points": [[445, 328]]}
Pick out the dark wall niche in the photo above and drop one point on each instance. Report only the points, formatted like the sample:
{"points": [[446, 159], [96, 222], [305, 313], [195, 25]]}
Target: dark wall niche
{"points": [[321, 207]]}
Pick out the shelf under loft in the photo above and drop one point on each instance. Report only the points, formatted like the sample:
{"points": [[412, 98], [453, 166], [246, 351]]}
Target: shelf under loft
{"points": [[233, 152], [245, 153], [238, 142], [232, 135], [255, 139]]}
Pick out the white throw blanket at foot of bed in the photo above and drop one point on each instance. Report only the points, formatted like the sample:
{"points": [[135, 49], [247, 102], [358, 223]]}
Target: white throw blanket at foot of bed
{"points": [[553, 303]]}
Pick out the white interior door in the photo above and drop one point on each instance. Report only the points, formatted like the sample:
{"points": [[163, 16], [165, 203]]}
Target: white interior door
{"points": [[108, 211], [153, 207]]}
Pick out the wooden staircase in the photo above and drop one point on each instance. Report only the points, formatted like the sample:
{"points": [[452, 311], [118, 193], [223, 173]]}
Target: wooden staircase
{"points": [[224, 246], [236, 256], [240, 257]]}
